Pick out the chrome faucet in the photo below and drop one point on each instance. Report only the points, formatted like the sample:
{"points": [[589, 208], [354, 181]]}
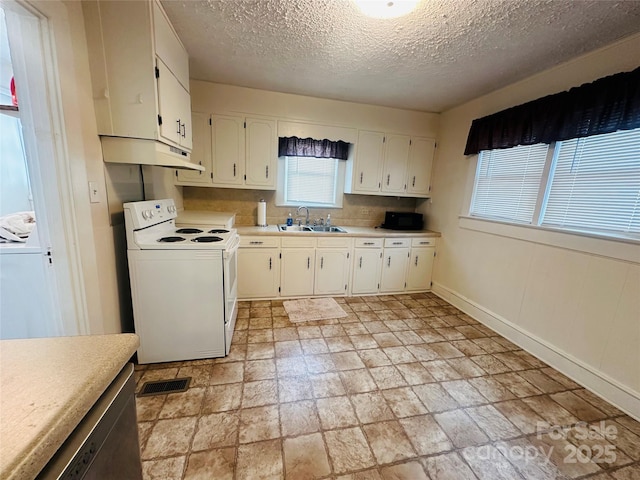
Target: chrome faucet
{"points": [[307, 210]]}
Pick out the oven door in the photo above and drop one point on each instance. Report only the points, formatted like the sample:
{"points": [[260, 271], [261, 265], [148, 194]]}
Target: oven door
{"points": [[230, 260]]}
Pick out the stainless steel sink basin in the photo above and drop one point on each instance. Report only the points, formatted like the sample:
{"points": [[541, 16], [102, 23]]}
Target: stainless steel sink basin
{"points": [[311, 228]]}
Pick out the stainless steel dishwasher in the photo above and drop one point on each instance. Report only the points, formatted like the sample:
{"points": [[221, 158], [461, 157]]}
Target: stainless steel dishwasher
{"points": [[104, 446]]}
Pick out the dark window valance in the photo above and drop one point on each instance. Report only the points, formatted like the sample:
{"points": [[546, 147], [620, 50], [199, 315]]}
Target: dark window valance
{"points": [[308, 147], [604, 106]]}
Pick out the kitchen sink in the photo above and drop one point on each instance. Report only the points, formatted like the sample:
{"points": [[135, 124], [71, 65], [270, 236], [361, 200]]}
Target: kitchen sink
{"points": [[311, 228]]}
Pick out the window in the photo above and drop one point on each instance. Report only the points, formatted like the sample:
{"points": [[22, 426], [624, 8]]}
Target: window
{"points": [[310, 181], [592, 184], [507, 182]]}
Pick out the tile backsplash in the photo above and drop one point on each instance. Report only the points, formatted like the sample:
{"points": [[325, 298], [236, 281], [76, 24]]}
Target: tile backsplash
{"points": [[357, 210]]}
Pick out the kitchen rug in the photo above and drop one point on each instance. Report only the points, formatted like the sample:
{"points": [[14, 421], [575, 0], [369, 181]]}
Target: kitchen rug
{"points": [[310, 309]]}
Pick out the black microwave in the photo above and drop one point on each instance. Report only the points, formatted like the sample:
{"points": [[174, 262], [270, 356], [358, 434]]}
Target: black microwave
{"points": [[403, 221]]}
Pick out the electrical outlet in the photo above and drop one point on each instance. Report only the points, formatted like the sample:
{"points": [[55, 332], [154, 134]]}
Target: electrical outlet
{"points": [[364, 211]]}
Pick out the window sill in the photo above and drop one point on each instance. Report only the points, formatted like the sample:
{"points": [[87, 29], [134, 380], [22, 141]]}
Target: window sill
{"points": [[624, 249]]}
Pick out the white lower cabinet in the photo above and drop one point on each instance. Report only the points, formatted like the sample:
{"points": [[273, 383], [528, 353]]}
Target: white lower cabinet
{"points": [[302, 266], [297, 266], [333, 261], [394, 264], [258, 267], [367, 264], [420, 264]]}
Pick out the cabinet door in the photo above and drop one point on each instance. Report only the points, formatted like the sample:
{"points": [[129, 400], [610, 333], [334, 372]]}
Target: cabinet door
{"points": [[201, 152], [368, 162], [185, 138], [420, 268], [258, 272], [296, 273], [262, 152], [396, 157], [332, 271], [367, 263], [227, 149], [168, 47], [420, 162], [170, 96], [394, 269]]}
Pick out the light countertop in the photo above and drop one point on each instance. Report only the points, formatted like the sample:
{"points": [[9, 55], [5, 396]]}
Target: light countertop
{"points": [[350, 232], [47, 385]]}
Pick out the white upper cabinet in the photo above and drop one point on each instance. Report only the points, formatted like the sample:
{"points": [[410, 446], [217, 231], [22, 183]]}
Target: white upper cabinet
{"points": [[261, 151], [392, 165], [139, 71], [396, 157], [227, 150], [368, 162], [201, 152], [421, 154]]}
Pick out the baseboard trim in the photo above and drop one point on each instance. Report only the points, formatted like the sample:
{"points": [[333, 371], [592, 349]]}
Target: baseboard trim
{"points": [[599, 383]]}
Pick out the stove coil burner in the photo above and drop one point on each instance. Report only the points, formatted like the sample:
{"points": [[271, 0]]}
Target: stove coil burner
{"points": [[189, 230], [171, 239], [206, 239], [218, 230]]}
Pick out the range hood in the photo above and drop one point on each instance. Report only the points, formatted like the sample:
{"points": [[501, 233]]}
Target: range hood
{"points": [[139, 151]]}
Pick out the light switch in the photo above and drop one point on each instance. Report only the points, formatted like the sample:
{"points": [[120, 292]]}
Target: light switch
{"points": [[94, 194]]}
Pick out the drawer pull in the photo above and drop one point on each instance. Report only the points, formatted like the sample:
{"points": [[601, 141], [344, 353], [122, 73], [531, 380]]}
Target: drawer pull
{"points": [[369, 243], [253, 242], [425, 243], [397, 243]]}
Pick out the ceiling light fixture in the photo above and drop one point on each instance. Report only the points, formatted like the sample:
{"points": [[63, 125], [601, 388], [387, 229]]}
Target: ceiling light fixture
{"points": [[386, 8]]}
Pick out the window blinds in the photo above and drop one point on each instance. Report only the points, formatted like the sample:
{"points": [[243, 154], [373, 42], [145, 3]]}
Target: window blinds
{"points": [[595, 184], [311, 181], [508, 181]]}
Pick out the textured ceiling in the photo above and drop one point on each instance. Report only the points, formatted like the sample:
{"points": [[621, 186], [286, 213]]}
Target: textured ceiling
{"points": [[444, 53]]}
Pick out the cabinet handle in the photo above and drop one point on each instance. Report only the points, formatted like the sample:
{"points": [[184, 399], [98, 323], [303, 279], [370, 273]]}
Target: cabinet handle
{"points": [[234, 169], [321, 262], [184, 130], [388, 179], [308, 263], [388, 261], [266, 171], [397, 243], [360, 262], [178, 126], [416, 260], [368, 243], [269, 263], [414, 181], [361, 173], [255, 243]]}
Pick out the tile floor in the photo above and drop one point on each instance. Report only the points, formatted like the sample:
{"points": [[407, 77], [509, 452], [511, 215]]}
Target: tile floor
{"points": [[404, 387]]}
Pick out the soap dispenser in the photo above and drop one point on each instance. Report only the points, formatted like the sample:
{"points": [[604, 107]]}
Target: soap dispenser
{"points": [[328, 220], [289, 220]]}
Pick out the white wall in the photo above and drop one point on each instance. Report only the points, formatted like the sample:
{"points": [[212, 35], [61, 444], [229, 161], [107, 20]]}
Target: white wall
{"points": [[579, 311], [209, 97]]}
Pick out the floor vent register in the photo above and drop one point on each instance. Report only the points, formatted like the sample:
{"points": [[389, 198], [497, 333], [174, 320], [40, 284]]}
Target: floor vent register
{"points": [[162, 387]]}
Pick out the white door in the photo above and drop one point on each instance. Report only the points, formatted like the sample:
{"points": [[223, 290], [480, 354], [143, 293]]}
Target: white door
{"points": [[394, 269], [367, 263], [227, 149], [420, 268], [296, 274], [201, 152], [41, 289], [332, 271], [368, 164], [169, 103], [420, 161], [396, 156], [261, 152], [258, 272]]}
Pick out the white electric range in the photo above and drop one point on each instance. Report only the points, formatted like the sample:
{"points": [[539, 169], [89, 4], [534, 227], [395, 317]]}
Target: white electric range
{"points": [[183, 284]]}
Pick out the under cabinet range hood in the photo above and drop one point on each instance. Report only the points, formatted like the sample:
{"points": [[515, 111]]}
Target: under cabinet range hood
{"points": [[139, 151]]}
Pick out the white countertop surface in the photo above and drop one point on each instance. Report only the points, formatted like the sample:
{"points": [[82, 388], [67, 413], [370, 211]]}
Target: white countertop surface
{"points": [[47, 385], [350, 232]]}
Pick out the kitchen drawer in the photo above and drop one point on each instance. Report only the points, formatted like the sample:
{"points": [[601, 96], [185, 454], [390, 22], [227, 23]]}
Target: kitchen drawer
{"points": [[298, 242], [397, 242], [369, 242], [335, 242], [259, 242], [423, 242]]}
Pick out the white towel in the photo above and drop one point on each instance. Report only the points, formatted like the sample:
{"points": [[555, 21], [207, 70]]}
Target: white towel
{"points": [[16, 227]]}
